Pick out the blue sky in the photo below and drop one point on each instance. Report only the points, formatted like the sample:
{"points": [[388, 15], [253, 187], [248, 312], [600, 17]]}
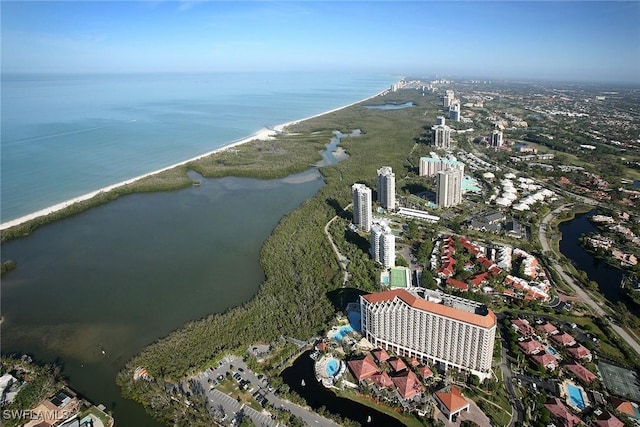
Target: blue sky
{"points": [[598, 41]]}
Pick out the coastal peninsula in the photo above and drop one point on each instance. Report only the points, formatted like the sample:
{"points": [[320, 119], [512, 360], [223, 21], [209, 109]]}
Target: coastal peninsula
{"points": [[307, 279]]}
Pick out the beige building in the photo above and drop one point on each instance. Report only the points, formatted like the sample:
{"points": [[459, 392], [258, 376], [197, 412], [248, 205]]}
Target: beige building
{"points": [[362, 215], [431, 325], [383, 245], [449, 187], [430, 166], [387, 188], [441, 136]]}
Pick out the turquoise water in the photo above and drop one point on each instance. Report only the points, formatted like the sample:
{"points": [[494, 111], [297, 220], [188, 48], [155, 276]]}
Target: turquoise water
{"points": [[332, 367], [470, 184], [342, 332], [552, 351], [575, 396], [66, 135]]}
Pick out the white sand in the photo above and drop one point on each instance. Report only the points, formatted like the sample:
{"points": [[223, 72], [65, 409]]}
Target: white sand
{"points": [[262, 134]]}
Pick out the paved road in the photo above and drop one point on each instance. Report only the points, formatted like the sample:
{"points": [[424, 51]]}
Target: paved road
{"points": [[233, 364], [594, 306], [517, 409], [342, 260]]}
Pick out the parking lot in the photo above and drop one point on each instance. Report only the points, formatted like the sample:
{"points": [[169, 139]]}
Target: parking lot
{"points": [[227, 409]]}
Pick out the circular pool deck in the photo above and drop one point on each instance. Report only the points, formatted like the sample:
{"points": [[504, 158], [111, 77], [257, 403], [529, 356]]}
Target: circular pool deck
{"points": [[328, 369]]}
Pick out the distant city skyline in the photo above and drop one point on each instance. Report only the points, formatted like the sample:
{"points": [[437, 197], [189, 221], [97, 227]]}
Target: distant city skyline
{"points": [[567, 41]]}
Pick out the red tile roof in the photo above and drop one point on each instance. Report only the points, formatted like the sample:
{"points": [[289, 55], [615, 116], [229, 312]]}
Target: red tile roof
{"points": [[397, 364], [546, 360], [495, 270], [530, 346], [382, 380], [581, 372], [487, 321], [547, 328], [523, 327], [531, 293], [363, 368], [457, 284], [453, 400], [473, 249], [381, 355], [563, 338], [561, 413], [579, 351], [425, 372], [623, 406], [607, 419], [448, 267], [408, 384], [479, 279]]}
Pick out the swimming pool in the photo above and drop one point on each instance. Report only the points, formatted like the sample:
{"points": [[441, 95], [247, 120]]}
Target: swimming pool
{"points": [[342, 332], [552, 351], [332, 367], [470, 184], [354, 320], [575, 396]]}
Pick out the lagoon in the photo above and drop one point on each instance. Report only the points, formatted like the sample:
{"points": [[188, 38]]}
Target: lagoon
{"points": [[115, 278], [391, 106], [607, 277]]}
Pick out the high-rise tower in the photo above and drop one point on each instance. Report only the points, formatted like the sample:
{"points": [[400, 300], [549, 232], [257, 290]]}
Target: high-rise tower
{"points": [[361, 206], [449, 187], [383, 245], [387, 188]]}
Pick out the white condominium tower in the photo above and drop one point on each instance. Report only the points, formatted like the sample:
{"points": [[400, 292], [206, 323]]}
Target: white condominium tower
{"points": [[361, 206], [429, 166], [448, 98], [387, 188], [495, 139], [454, 112], [431, 325], [449, 187], [383, 245], [441, 134]]}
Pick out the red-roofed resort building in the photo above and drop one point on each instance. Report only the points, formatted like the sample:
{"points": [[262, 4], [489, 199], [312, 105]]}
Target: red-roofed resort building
{"points": [[451, 402], [431, 325]]}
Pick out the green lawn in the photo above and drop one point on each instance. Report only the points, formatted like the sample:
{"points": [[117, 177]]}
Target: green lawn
{"points": [[96, 413], [409, 421]]}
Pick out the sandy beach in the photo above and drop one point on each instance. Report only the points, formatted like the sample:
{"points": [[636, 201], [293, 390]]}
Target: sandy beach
{"points": [[262, 134]]}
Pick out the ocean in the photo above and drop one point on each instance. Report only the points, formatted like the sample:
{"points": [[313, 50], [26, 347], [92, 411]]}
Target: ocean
{"points": [[91, 291], [63, 136]]}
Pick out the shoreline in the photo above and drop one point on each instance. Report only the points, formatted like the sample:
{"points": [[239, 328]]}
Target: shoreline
{"points": [[263, 134]]}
